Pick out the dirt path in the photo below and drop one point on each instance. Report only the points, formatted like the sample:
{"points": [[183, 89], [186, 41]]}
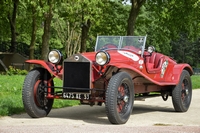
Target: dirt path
{"points": [[152, 115]]}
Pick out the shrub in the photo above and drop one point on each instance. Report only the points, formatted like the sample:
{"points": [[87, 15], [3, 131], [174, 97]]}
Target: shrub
{"points": [[14, 71]]}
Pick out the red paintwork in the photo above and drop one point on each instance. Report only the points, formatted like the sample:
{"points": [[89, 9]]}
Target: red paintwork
{"points": [[55, 70], [122, 59], [170, 77], [150, 72]]}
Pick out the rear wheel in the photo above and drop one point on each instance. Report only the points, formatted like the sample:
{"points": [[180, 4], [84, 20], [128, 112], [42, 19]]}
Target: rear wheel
{"points": [[119, 98], [182, 93], [34, 91]]}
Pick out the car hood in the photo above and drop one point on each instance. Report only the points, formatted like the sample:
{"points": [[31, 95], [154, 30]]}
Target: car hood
{"points": [[117, 56]]}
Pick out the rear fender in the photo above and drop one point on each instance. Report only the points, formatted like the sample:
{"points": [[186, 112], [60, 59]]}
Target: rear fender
{"points": [[177, 70], [175, 73], [55, 70]]}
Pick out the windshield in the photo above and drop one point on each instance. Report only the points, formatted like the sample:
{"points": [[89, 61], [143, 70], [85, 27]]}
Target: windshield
{"points": [[132, 43]]}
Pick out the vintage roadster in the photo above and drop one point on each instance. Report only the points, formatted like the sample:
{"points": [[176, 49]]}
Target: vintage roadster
{"points": [[120, 70]]}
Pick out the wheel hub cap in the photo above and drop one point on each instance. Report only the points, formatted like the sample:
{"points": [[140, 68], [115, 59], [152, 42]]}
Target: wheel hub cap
{"points": [[186, 92], [126, 98]]}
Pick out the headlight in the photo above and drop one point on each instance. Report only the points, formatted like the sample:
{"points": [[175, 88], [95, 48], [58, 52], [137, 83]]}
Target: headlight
{"points": [[102, 58], [151, 49], [54, 56]]}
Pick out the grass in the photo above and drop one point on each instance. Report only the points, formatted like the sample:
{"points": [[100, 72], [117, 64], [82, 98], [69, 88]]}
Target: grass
{"points": [[11, 94], [195, 81]]}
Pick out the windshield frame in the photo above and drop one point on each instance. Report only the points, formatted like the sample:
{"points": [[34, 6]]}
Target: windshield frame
{"points": [[135, 44]]}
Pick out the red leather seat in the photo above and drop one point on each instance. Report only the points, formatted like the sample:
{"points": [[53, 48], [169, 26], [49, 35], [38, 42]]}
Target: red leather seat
{"points": [[154, 62]]}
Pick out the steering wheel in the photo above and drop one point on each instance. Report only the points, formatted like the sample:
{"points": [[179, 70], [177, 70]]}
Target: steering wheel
{"points": [[108, 46]]}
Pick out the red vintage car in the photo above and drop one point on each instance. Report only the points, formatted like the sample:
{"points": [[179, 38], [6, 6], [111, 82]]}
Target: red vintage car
{"points": [[116, 73]]}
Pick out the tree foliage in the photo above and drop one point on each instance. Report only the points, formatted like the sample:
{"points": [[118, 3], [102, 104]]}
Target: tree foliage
{"points": [[71, 26]]}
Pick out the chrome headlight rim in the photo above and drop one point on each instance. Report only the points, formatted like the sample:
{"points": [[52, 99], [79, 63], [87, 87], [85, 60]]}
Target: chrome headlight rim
{"points": [[151, 49], [102, 58], [55, 56]]}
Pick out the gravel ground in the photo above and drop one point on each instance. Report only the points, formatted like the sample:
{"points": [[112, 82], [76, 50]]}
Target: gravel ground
{"points": [[150, 116]]}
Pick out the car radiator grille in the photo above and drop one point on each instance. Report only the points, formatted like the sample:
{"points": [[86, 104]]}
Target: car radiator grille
{"points": [[76, 77]]}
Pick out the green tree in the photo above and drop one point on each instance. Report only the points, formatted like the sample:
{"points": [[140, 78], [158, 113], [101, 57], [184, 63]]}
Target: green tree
{"points": [[78, 17], [48, 15], [33, 15], [33, 32], [4, 23], [11, 16], [87, 10], [72, 26], [111, 21], [134, 12]]}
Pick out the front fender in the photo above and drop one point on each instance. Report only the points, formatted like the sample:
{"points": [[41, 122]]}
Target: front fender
{"points": [[55, 70]]}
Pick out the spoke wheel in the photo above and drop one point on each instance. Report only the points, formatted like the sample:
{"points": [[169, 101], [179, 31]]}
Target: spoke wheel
{"points": [[39, 94], [34, 93], [182, 93], [119, 98]]}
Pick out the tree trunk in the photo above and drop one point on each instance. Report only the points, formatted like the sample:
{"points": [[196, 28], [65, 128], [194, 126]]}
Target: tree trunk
{"points": [[12, 21], [33, 36], [46, 35], [84, 35], [135, 8]]}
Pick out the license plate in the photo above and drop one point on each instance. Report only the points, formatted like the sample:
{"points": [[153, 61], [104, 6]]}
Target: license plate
{"points": [[76, 96]]}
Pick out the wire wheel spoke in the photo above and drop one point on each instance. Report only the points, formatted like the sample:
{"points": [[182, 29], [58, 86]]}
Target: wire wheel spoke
{"points": [[122, 98], [185, 92], [40, 94]]}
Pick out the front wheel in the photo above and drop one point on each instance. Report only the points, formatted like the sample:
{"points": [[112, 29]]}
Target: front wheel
{"points": [[34, 91], [119, 98], [182, 93]]}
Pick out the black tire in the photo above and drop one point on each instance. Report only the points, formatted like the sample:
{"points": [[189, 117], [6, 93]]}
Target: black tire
{"points": [[119, 98], [33, 93], [182, 93]]}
